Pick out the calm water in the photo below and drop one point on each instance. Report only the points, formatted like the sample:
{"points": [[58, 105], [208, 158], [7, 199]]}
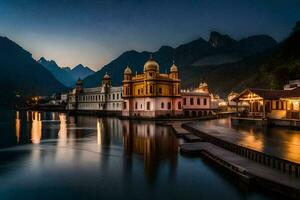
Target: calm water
{"points": [[278, 141], [55, 156]]}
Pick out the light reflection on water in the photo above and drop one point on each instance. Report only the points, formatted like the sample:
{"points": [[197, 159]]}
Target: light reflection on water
{"points": [[278, 141], [53, 155]]}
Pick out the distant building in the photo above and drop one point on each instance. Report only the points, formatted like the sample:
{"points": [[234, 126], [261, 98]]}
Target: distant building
{"points": [[199, 101], [272, 104], [105, 98], [151, 93], [234, 106], [292, 85]]}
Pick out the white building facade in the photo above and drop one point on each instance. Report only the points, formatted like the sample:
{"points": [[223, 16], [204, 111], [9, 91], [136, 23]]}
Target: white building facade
{"points": [[98, 99]]}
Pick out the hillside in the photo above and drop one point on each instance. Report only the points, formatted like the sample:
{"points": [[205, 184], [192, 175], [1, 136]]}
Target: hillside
{"points": [[284, 64], [21, 74], [197, 60], [66, 75], [60, 74]]}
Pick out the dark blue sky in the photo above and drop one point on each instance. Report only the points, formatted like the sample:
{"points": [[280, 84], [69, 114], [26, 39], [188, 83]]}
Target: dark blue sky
{"points": [[95, 32]]}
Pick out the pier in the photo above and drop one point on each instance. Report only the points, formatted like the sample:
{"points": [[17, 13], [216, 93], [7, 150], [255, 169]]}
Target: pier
{"points": [[248, 170], [250, 166]]}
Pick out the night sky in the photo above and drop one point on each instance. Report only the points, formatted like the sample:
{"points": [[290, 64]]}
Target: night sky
{"points": [[95, 32]]}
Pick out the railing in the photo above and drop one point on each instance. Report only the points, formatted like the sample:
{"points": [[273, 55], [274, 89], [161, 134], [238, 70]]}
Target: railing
{"points": [[285, 166], [291, 114]]}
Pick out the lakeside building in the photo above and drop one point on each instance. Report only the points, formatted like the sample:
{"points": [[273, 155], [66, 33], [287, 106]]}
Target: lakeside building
{"points": [[232, 106], [105, 98], [199, 101], [292, 85], [270, 104], [151, 93]]}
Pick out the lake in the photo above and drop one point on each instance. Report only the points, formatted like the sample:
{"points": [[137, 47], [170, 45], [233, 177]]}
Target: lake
{"points": [[51, 155]]}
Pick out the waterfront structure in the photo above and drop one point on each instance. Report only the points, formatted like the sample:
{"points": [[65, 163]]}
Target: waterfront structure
{"points": [[199, 101], [151, 93], [232, 106], [292, 85], [104, 98], [271, 104]]}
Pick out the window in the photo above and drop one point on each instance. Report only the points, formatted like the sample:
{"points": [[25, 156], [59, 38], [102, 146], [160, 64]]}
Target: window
{"points": [[192, 101], [125, 105], [148, 105], [113, 95], [136, 105], [184, 101], [179, 105], [162, 105], [198, 101], [178, 89], [160, 90], [142, 90], [151, 89], [204, 101], [117, 95], [169, 105], [150, 74], [138, 91]]}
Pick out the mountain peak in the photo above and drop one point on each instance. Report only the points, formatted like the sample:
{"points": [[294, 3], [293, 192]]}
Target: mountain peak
{"points": [[218, 40]]}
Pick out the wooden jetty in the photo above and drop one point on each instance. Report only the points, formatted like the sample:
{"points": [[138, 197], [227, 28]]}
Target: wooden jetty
{"points": [[248, 170]]}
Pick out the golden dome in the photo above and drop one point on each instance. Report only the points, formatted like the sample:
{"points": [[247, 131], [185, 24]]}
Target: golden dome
{"points": [[127, 70], [202, 84], [106, 76], [151, 65], [173, 68]]}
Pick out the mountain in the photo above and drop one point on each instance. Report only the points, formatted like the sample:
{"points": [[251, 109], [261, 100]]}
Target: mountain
{"points": [[80, 71], [60, 74], [66, 75], [21, 74], [284, 63], [197, 60]]}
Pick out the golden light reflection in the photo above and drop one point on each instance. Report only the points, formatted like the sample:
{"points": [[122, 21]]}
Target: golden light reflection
{"points": [[251, 140], [293, 148], [36, 129], [18, 126], [62, 133], [154, 143]]}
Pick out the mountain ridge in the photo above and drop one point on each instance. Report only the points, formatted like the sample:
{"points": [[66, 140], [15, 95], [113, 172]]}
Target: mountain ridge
{"points": [[185, 56]]}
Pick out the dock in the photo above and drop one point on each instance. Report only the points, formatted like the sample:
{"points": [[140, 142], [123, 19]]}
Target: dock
{"points": [[248, 170]]}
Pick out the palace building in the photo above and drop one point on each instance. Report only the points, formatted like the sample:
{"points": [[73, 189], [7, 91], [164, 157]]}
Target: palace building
{"points": [[151, 93], [199, 102], [105, 98]]}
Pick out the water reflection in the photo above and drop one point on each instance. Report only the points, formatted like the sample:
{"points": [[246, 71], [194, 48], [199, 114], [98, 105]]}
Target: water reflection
{"points": [[84, 157], [278, 141], [36, 129], [154, 143]]}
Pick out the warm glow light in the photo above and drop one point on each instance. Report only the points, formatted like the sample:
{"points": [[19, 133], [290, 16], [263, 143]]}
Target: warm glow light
{"points": [[18, 126], [36, 129]]}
